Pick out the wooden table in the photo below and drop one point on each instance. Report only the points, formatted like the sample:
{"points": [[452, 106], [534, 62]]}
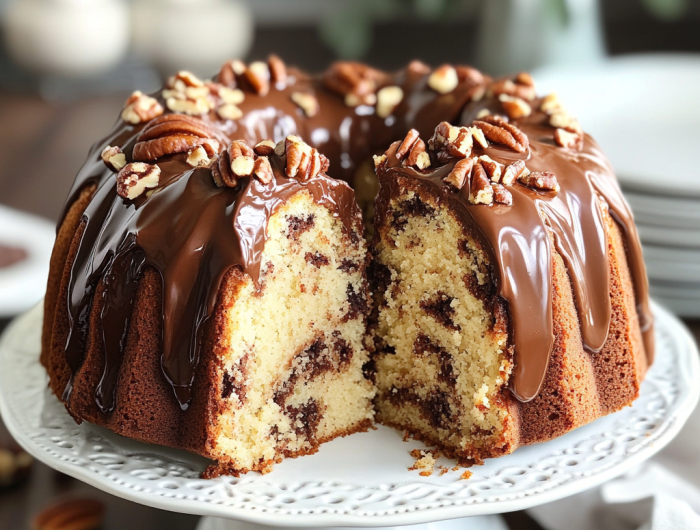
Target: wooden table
{"points": [[42, 146]]}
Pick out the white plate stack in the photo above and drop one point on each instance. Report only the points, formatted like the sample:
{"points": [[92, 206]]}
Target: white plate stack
{"points": [[644, 111]]}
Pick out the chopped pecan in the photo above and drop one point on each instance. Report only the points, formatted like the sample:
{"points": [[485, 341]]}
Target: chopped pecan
{"points": [[515, 107], [501, 195], [523, 78], [228, 75], [140, 108], [388, 98], [303, 162], [444, 79], [191, 106], [511, 88], [550, 103], [451, 142], [498, 130], [480, 191], [418, 68], [357, 82], [221, 172], [263, 170], [418, 156], [173, 134], [306, 102], [278, 71], [460, 173], [571, 140], [407, 144], [258, 76], [540, 180], [513, 172], [482, 113], [198, 157], [113, 157], [264, 148], [493, 169], [184, 79], [563, 120], [470, 75], [133, 179], [242, 158], [229, 111], [232, 96], [378, 160], [478, 136]]}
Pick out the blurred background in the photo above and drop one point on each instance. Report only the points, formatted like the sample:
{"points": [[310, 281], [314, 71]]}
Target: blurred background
{"points": [[629, 69]]}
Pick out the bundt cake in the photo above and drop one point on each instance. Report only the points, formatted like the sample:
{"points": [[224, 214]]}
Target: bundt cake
{"points": [[208, 288]]}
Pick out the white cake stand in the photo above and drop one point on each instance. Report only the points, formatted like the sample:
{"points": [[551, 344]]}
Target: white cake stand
{"points": [[361, 480]]}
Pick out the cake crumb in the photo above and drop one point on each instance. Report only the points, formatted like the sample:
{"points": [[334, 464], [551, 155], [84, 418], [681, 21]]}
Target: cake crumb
{"points": [[466, 475], [406, 436], [443, 470], [456, 468], [425, 461]]}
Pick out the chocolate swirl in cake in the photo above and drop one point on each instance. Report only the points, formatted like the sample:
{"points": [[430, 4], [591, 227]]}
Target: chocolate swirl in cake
{"points": [[192, 232]]}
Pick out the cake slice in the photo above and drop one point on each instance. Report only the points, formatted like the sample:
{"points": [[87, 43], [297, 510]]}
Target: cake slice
{"points": [[503, 314]]}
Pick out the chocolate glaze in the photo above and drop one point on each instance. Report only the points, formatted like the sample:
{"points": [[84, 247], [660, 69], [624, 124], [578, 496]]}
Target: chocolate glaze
{"points": [[517, 238], [193, 232]]}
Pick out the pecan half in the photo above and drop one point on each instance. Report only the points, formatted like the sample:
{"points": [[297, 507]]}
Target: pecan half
{"points": [[306, 102], [501, 195], [561, 119], [444, 79], [133, 179], [140, 108], [460, 173], [113, 157], [405, 147], [540, 180], [70, 514], [173, 134], [469, 75], [498, 130], [480, 191]]}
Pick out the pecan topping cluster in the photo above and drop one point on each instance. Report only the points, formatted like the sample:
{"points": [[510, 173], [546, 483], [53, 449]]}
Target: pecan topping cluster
{"points": [[175, 133], [446, 78], [356, 82], [140, 108], [410, 152], [135, 178], [486, 180], [568, 132], [257, 76], [240, 160]]}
